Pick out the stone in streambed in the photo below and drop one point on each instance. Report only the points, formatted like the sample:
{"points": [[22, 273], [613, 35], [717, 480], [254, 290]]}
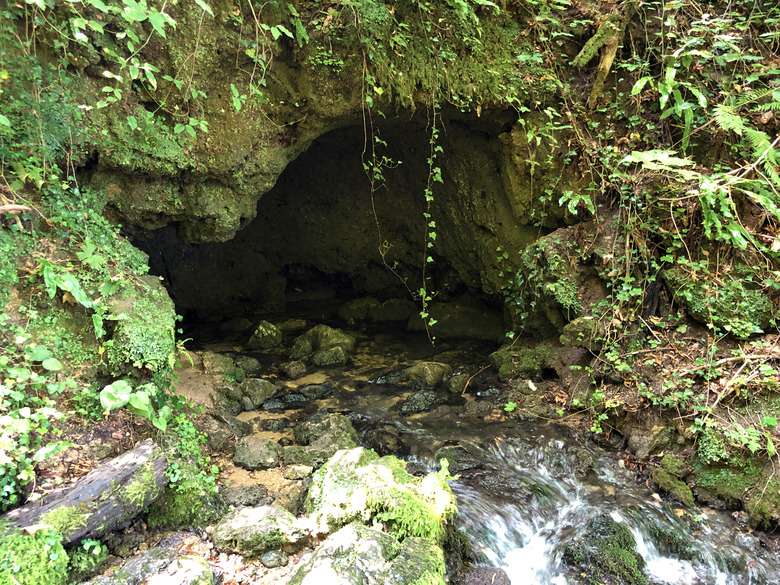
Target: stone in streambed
{"points": [[255, 452], [251, 532], [265, 336]]}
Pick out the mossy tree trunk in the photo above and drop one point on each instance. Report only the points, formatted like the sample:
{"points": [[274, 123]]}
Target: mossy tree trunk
{"points": [[101, 501]]}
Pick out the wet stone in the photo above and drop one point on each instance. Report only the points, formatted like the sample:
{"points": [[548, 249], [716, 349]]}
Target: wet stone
{"points": [[297, 471], [293, 370], [292, 497], [256, 391], [334, 356], [420, 402], [485, 576], [266, 336], [218, 364], [385, 440], [273, 559], [315, 391], [457, 383], [274, 404], [236, 427], [232, 393], [459, 459], [249, 364]]}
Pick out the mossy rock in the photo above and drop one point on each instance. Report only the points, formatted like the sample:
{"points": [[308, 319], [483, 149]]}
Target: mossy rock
{"points": [[32, 559], [253, 531], [265, 336], [143, 338], [606, 555], [731, 304], [729, 485], [356, 485], [675, 465], [763, 503], [320, 338], [359, 554], [160, 565], [320, 437], [187, 502], [673, 486], [518, 361]]}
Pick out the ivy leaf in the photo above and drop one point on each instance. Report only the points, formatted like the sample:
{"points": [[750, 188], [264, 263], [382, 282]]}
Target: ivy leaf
{"points": [[52, 364]]}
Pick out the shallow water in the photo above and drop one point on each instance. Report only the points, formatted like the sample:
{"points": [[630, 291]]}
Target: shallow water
{"points": [[537, 486]]}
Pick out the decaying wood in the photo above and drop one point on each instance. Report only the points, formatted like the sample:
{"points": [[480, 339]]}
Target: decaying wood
{"points": [[101, 501], [15, 209]]}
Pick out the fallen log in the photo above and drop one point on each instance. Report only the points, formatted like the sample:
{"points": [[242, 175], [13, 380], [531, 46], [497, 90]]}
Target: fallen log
{"points": [[101, 501]]}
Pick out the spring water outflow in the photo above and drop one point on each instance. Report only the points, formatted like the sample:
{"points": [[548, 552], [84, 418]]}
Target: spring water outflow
{"points": [[534, 499], [531, 497]]}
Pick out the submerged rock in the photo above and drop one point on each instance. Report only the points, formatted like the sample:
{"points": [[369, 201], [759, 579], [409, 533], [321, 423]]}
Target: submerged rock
{"points": [[255, 452], [253, 531], [358, 554], [420, 402], [358, 485], [249, 364], [160, 566], [485, 576], [422, 375], [265, 336], [293, 370], [334, 356]]}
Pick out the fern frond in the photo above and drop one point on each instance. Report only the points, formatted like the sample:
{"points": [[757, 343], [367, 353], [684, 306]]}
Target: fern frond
{"points": [[759, 141], [727, 118], [769, 106], [753, 95]]}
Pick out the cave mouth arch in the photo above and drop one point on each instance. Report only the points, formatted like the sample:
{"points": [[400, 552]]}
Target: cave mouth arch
{"points": [[318, 232]]}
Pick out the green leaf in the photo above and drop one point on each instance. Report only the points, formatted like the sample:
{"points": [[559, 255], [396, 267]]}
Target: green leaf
{"points": [[769, 422], [39, 353], [49, 450], [179, 128], [133, 11], [99, 5], [139, 403], [284, 29], [190, 130], [204, 6], [115, 395], [52, 364], [158, 22], [4, 121], [300, 32]]}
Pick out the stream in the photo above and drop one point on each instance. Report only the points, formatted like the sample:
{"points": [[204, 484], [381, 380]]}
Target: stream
{"points": [[528, 492]]}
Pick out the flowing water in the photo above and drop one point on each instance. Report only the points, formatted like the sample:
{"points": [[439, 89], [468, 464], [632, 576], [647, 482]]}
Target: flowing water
{"points": [[527, 492]]}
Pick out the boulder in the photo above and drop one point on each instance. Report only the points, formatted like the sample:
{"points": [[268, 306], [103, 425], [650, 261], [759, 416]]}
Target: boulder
{"points": [[358, 554], [249, 364], [358, 485], [321, 338], [422, 375], [251, 532], [333, 356], [160, 566], [265, 336], [520, 361], [217, 364], [319, 438], [255, 452], [255, 391], [293, 370]]}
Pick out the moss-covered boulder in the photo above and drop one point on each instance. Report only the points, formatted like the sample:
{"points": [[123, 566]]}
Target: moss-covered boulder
{"points": [[359, 554], [186, 502], [520, 361], [255, 391], [253, 531], [319, 438], [217, 363], [321, 338], [358, 485], [607, 554], [678, 489], [265, 336]]}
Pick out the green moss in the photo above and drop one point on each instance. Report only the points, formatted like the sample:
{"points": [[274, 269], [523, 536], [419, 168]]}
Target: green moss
{"points": [[674, 464], [187, 502], [65, 519], [516, 361], [763, 504], [671, 485], [38, 559], [727, 483], [607, 555], [144, 334], [142, 489], [356, 485]]}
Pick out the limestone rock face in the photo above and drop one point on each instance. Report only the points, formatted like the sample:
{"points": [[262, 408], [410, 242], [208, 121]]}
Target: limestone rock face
{"points": [[358, 554], [253, 531]]}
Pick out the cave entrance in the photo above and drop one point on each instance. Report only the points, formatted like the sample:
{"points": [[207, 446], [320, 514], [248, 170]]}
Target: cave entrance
{"points": [[318, 233]]}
